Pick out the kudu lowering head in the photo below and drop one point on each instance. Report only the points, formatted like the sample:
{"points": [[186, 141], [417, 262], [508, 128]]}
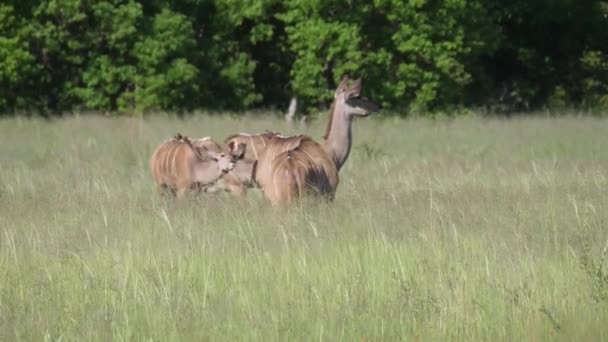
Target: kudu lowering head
{"points": [[223, 156], [348, 95]]}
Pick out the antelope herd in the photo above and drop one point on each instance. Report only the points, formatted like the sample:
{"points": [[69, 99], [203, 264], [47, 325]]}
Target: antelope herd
{"points": [[284, 168]]}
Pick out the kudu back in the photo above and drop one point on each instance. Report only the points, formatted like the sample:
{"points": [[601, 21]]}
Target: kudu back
{"points": [[291, 167]]}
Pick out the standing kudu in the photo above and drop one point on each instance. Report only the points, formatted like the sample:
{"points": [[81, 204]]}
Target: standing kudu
{"points": [[289, 167], [348, 103]]}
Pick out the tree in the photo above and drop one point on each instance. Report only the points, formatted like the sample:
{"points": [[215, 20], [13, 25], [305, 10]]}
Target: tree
{"points": [[17, 64], [414, 54]]}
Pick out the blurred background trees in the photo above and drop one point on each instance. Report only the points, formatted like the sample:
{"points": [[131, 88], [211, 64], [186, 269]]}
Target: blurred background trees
{"points": [[415, 56]]}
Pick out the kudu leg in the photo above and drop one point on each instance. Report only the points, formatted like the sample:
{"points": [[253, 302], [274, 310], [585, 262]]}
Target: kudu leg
{"points": [[181, 193], [165, 191]]}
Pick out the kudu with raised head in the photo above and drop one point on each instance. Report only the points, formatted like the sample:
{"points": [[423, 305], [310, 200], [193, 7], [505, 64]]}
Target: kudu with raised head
{"points": [[289, 167], [182, 164]]}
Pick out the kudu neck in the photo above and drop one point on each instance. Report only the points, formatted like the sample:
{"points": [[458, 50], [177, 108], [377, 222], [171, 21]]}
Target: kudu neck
{"points": [[338, 139], [244, 171]]}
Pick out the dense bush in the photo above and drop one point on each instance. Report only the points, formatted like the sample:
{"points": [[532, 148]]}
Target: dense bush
{"points": [[418, 55]]}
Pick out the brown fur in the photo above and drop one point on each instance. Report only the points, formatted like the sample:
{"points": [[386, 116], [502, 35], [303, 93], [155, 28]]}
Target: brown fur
{"points": [[237, 180], [179, 165], [341, 88], [254, 143], [241, 177], [329, 121], [291, 167], [285, 168]]}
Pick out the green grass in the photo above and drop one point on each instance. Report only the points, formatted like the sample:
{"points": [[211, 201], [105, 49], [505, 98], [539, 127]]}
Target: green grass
{"points": [[455, 229]]}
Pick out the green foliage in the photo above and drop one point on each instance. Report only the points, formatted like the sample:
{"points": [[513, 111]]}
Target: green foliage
{"points": [[415, 56], [165, 79], [108, 78], [548, 50], [117, 58], [17, 64], [595, 73]]}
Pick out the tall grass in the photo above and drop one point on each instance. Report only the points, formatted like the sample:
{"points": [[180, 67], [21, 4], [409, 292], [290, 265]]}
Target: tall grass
{"points": [[459, 229]]}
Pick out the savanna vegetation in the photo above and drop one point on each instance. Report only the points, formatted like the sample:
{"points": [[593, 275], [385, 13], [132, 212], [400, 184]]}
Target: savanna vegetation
{"points": [[459, 229], [464, 228], [134, 56]]}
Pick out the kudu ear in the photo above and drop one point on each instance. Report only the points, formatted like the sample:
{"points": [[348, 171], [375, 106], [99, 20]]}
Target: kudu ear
{"points": [[239, 153], [204, 153], [236, 149], [342, 86], [344, 81], [355, 87]]}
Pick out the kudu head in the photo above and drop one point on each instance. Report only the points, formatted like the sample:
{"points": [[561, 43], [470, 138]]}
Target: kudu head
{"points": [[250, 145], [237, 150], [208, 149], [225, 160], [348, 99]]}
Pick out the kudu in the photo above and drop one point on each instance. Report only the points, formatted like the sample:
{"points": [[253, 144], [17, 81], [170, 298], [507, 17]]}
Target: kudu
{"points": [[242, 176], [289, 167], [181, 164]]}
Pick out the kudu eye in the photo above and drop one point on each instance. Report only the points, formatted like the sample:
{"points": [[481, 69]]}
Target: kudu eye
{"points": [[222, 155]]}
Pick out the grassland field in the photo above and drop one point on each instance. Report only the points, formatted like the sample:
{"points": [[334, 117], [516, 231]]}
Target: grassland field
{"points": [[467, 229]]}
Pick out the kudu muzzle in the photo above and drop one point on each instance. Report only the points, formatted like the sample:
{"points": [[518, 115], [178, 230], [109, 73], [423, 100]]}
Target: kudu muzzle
{"points": [[363, 103]]}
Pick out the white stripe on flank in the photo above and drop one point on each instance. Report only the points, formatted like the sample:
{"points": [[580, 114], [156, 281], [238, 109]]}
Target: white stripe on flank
{"points": [[297, 174], [275, 150], [169, 158], [163, 158], [173, 166], [255, 151], [274, 176], [301, 163], [307, 154]]}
